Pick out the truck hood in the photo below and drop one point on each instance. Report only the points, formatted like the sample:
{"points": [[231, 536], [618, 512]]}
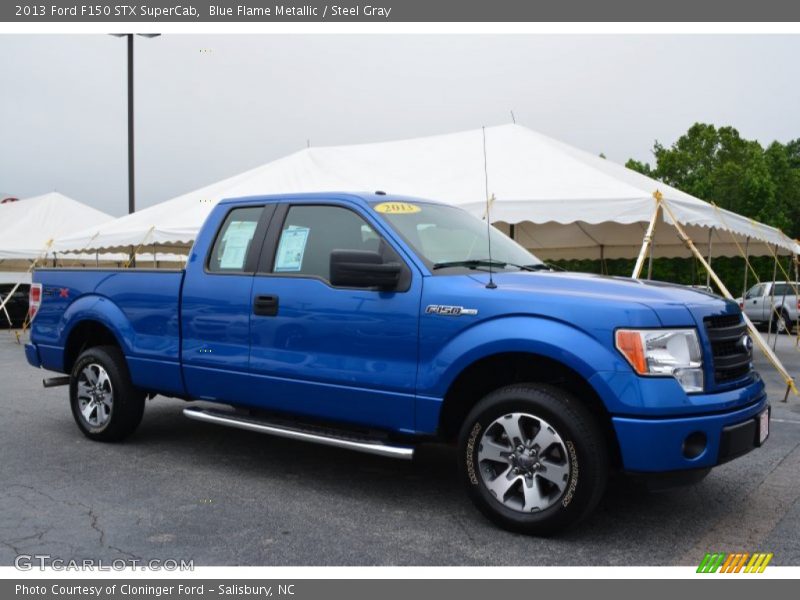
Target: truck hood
{"points": [[673, 305]]}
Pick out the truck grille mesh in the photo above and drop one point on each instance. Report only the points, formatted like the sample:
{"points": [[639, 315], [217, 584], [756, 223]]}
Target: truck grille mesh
{"points": [[732, 359]]}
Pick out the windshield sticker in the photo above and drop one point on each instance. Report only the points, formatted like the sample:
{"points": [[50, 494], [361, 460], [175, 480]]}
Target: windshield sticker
{"points": [[291, 249], [397, 208], [236, 241]]}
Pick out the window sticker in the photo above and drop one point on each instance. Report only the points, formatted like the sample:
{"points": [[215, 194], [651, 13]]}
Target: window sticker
{"points": [[235, 242], [397, 208], [291, 249]]}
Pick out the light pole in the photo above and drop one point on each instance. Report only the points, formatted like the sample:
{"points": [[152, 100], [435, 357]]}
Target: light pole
{"points": [[131, 177]]}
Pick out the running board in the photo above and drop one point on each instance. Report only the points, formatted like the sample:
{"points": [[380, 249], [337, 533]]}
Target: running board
{"points": [[297, 433]]}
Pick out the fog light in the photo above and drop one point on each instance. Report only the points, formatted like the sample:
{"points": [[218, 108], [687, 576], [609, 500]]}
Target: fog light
{"points": [[694, 444]]}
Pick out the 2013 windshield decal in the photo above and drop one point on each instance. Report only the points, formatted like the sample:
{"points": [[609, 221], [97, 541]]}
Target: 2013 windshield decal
{"points": [[449, 311]]}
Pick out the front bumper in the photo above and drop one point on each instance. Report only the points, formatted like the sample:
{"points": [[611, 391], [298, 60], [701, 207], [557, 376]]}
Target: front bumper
{"points": [[656, 445]]}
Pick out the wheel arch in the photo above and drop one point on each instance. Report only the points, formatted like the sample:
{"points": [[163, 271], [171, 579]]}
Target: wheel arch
{"points": [[87, 333], [497, 370], [93, 320]]}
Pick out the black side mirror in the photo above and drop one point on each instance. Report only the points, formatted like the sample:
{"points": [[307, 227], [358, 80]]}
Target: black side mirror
{"points": [[363, 269]]}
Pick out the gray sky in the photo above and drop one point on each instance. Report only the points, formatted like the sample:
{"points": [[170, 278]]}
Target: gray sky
{"points": [[210, 106]]}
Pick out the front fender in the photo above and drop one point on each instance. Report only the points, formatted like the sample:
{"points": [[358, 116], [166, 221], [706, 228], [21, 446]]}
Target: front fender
{"points": [[553, 339]]}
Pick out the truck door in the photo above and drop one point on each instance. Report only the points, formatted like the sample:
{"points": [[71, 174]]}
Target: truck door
{"points": [[754, 302], [341, 354], [215, 304]]}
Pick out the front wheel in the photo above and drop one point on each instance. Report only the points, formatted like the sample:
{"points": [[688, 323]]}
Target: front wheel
{"points": [[105, 404], [533, 458]]}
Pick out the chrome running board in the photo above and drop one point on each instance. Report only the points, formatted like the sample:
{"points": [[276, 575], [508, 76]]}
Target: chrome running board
{"points": [[258, 425]]}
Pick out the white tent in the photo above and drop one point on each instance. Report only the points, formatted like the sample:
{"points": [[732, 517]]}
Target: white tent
{"points": [[28, 227], [563, 202]]}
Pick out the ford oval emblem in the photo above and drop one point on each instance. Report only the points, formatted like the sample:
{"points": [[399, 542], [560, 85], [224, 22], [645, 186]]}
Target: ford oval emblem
{"points": [[747, 343]]}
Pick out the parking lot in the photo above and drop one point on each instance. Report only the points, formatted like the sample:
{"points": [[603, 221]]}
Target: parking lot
{"points": [[181, 489]]}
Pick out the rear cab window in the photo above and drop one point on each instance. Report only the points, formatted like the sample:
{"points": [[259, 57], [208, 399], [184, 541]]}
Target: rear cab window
{"points": [[234, 240]]}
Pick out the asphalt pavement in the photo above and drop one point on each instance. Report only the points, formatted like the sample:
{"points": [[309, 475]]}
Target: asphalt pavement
{"points": [[180, 489]]}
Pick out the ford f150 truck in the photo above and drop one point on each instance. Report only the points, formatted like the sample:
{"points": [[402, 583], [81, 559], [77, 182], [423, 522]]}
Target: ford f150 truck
{"points": [[772, 304], [375, 323]]}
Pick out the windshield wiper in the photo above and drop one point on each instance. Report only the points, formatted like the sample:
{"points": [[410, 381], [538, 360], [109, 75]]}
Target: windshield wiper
{"points": [[485, 262], [470, 264], [535, 267]]}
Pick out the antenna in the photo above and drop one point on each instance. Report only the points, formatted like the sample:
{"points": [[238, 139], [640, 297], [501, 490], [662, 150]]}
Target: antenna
{"points": [[513, 118], [491, 285]]}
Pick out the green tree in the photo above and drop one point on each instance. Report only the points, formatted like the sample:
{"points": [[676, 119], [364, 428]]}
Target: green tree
{"points": [[720, 166]]}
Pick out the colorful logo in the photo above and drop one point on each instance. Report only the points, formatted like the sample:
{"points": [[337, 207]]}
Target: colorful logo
{"points": [[720, 562]]}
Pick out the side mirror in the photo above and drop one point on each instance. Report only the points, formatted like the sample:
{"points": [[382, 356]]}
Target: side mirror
{"points": [[363, 269]]}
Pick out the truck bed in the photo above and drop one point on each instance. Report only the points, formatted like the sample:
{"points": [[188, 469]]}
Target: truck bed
{"points": [[146, 301]]}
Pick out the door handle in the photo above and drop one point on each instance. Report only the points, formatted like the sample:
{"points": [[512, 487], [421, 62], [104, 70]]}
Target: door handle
{"points": [[265, 306]]}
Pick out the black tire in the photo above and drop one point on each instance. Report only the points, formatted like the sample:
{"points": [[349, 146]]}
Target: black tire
{"points": [[788, 324], [586, 449], [127, 406], [779, 323]]}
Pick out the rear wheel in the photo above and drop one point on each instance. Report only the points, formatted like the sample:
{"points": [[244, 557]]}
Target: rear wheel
{"points": [[782, 323], [533, 458], [105, 404]]}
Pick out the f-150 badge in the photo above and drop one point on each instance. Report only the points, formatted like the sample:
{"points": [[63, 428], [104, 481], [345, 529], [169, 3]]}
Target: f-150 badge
{"points": [[449, 311]]}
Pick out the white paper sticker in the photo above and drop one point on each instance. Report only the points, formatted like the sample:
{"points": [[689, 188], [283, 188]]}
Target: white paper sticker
{"points": [[235, 242], [291, 249]]}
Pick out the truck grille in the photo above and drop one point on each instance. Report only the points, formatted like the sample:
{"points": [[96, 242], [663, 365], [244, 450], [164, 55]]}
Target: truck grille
{"points": [[732, 358]]}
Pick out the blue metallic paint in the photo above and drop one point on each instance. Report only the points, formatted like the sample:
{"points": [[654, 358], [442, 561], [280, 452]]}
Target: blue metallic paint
{"points": [[652, 445], [378, 359]]}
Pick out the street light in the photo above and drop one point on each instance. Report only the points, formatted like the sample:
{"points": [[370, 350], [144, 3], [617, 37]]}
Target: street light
{"points": [[131, 179]]}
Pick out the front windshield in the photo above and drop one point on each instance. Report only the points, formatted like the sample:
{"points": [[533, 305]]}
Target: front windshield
{"points": [[449, 238]]}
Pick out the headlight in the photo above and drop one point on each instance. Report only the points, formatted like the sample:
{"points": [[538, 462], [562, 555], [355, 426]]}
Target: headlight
{"points": [[673, 352]]}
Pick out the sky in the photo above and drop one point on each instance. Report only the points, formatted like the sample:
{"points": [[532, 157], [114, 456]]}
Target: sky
{"points": [[211, 106]]}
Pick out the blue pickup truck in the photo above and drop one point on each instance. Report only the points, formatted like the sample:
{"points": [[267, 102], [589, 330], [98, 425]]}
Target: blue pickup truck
{"points": [[377, 323]]}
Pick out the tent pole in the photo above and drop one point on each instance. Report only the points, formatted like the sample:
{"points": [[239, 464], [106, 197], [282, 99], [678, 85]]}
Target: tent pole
{"points": [[772, 311], [708, 272], [41, 257], [97, 259], [155, 263], [746, 254], [754, 333], [796, 260], [650, 260], [603, 260], [5, 310], [780, 316], [648, 237], [511, 230]]}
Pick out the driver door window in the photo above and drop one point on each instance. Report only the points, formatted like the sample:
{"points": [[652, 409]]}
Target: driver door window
{"points": [[311, 233]]}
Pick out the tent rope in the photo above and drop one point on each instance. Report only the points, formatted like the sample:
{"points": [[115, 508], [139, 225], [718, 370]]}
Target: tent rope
{"points": [[42, 254], [753, 271], [648, 236], [756, 335], [139, 247]]}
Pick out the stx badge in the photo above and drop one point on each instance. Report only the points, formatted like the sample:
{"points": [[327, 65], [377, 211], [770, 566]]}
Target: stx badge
{"points": [[449, 311]]}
